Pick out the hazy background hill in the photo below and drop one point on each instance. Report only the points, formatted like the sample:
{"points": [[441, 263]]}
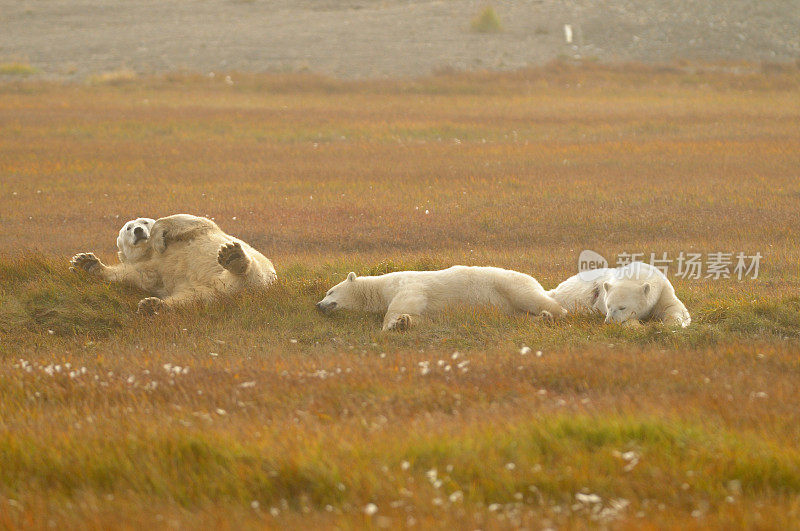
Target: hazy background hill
{"points": [[369, 38]]}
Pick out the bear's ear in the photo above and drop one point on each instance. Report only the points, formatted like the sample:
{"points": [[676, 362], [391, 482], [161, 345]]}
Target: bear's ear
{"points": [[646, 289], [606, 286], [351, 276]]}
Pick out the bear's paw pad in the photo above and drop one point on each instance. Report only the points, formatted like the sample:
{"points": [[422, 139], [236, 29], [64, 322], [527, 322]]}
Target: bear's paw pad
{"points": [[150, 306], [232, 257], [403, 322], [546, 316], [84, 261]]}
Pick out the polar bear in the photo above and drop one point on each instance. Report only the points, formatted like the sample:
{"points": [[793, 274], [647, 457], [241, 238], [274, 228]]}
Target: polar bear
{"points": [[404, 296], [180, 259], [628, 294]]}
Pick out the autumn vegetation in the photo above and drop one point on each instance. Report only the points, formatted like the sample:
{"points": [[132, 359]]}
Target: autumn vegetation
{"points": [[259, 412]]}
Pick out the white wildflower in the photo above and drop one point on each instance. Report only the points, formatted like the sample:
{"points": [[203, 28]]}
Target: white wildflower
{"points": [[431, 475], [588, 498], [370, 509]]}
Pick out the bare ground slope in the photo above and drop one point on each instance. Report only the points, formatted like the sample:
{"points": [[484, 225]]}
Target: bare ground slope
{"points": [[75, 39]]}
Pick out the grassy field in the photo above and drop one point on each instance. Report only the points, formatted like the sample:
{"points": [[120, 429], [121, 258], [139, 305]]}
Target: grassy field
{"points": [[260, 412]]}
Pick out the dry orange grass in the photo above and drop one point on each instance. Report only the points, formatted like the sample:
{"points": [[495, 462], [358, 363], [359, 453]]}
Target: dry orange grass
{"points": [[259, 412]]}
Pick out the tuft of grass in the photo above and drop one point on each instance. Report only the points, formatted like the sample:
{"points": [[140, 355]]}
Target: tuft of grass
{"points": [[487, 21], [17, 69]]}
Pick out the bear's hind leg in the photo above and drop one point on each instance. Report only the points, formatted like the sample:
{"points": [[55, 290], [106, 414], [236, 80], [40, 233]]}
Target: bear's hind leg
{"points": [[233, 258]]}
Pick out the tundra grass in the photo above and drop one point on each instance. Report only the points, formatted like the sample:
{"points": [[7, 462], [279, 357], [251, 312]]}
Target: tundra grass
{"points": [[260, 412]]}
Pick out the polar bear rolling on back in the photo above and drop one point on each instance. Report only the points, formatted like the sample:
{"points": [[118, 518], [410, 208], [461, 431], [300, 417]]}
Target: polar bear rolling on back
{"points": [[629, 294], [404, 296], [180, 259]]}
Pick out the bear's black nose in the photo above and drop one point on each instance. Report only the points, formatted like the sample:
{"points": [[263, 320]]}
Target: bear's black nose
{"points": [[138, 231]]}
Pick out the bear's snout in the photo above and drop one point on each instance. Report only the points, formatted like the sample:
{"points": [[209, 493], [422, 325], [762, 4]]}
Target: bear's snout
{"points": [[323, 307], [138, 234]]}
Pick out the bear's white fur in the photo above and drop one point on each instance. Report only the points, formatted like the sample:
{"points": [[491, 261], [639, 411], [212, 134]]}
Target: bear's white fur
{"points": [[180, 259], [632, 293], [404, 296]]}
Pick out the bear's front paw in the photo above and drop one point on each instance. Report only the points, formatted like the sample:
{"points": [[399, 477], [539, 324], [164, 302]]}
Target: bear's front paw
{"points": [[546, 316], [401, 323], [85, 262], [233, 258], [150, 306]]}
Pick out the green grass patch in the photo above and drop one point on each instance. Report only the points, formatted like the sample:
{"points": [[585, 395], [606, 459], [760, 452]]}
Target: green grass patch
{"points": [[489, 463], [487, 21]]}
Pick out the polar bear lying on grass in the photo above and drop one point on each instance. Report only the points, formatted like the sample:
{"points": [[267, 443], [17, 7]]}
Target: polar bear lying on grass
{"points": [[629, 294], [404, 296], [180, 259]]}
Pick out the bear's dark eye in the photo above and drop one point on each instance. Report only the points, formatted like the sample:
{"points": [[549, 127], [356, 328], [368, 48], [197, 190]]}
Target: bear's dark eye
{"points": [[622, 308], [128, 227]]}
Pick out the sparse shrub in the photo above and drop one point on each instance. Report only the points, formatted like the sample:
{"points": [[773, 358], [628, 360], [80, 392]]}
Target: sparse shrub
{"points": [[487, 21], [113, 77], [17, 69]]}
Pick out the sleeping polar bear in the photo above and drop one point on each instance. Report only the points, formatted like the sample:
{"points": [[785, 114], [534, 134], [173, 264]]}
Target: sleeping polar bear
{"points": [[181, 259], [404, 296], [634, 292]]}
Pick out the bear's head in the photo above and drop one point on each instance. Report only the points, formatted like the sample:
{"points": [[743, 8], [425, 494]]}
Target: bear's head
{"points": [[343, 296], [133, 240], [626, 299]]}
